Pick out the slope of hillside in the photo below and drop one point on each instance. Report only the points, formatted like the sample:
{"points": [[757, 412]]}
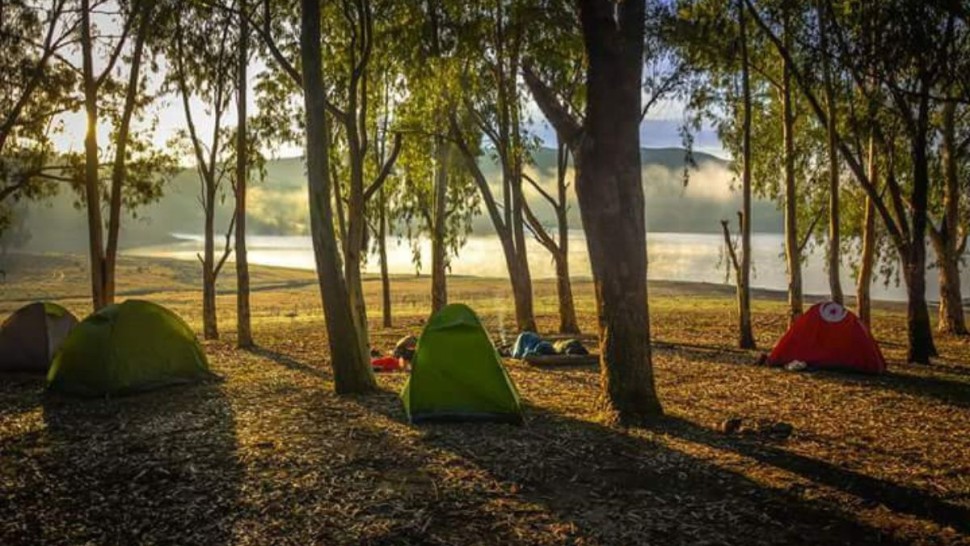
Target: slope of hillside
{"points": [[277, 205]]}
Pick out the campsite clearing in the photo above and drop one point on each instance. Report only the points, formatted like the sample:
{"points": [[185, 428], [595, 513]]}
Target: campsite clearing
{"points": [[271, 455]]}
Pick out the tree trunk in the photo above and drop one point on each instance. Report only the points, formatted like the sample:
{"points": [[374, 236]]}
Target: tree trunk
{"points": [[382, 250], [834, 255], [244, 336], [522, 293], [835, 237], [868, 258], [793, 251], [921, 346], [518, 277], [439, 256], [119, 171], [610, 193], [564, 288], [92, 190], [210, 328], [352, 372], [746, 331], [354, 250], [948, 240], [951, 316], [522, 283], [567, 308]]}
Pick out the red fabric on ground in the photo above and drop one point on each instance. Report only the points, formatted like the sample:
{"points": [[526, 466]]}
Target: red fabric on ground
{"points": [[385, 364]]}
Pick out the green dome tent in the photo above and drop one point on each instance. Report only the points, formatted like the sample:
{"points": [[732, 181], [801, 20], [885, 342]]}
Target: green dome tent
{"points": [[128, 347], [457, 375], [30, 337]]}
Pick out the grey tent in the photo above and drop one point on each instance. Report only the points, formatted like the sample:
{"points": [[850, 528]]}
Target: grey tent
{"points": [[30, 337]]}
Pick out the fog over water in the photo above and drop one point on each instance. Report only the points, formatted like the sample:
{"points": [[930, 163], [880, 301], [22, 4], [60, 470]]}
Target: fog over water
{"points": [[683, 224], [693, 257]]}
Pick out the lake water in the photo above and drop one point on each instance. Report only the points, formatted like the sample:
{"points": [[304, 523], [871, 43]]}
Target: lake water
{"points": [[697, 257]]}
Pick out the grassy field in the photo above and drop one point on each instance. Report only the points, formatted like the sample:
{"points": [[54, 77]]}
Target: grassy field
{"points": [[272, 456]]}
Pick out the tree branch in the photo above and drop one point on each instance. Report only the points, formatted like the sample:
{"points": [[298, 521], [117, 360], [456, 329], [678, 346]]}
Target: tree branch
{"points": [[732, 253], [854, 165], [129, 22], [808, 233], [229, 247], [565, 123], [538, 230], [386, 169], [665, 87], [544, 193], [478, 177]]}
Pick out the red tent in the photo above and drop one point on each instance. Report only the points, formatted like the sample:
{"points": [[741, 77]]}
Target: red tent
{"points": [[829, 336]]}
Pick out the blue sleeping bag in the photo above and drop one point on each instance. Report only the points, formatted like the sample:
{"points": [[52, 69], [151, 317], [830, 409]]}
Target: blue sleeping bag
{"points": [[530, 344]]}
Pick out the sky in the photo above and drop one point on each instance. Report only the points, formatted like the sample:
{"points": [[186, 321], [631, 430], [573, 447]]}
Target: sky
{"points": [[660, 129]]}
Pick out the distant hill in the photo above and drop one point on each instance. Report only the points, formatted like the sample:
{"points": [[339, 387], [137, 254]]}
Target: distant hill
{"points": [[277, 206]]}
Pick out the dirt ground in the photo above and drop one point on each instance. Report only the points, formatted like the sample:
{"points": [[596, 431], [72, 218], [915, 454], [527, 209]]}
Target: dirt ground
{"points": [[271, 456]]}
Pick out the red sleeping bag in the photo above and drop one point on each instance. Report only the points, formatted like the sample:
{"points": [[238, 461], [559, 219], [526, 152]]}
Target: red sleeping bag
{"points": [[829, 336], [385, 364]]}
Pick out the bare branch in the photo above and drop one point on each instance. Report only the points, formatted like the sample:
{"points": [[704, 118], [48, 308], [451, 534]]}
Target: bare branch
{"points": [[668, 85], [229, 247], [537, 229], [538, 188], [811, 228], [471, 163], [386, 169], [732, 252], [116, 53], [564, 122]]}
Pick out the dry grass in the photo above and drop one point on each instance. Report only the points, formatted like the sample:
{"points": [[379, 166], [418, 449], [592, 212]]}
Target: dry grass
{"points": [[271, 456]]}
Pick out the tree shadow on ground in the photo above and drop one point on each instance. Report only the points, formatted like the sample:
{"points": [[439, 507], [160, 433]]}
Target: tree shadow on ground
{"points": [[289, 362], [603, 485], [948, 391], [154, 468], [871, 490], [560, 479], [943, 389]]}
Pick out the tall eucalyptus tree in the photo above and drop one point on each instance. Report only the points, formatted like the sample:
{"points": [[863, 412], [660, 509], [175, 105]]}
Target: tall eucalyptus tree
{"points": [[203, 55], [133, 181], [606, 146]]}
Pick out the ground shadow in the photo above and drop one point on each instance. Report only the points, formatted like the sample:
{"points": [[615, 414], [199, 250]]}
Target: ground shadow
{"points": [[871, 490], [948, 391], [289, 362], [155, 468], [563, 477], [696, 351], [591, 482], [607, 486]]}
